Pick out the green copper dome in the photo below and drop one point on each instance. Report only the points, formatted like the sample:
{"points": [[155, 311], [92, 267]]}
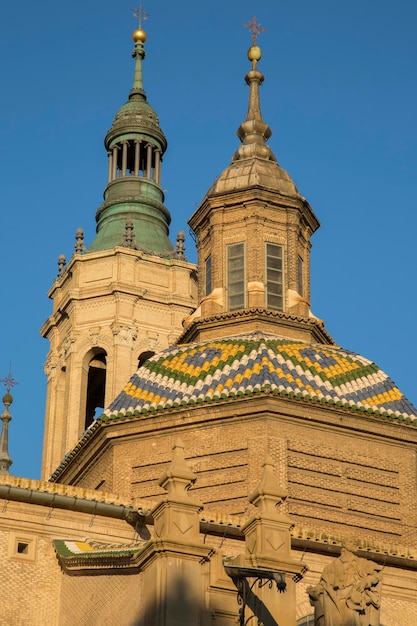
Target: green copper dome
{"points": [[135, 146], [137, 116]]}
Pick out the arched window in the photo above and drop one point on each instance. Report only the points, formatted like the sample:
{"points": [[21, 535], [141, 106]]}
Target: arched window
{"points": [[96, 386], [144, 357]]}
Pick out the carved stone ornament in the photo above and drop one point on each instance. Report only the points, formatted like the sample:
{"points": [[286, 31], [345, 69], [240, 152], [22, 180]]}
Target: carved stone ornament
{"points": [[66, 348], [52, 362], [349, 591], [95, 335], [150, 342], [125, 334]]}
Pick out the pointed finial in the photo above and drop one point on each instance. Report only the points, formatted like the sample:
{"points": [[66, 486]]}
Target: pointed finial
{"points": [[255, 29], [254, 132], [79, 241], [179, 477], [139, 38], [5, 459], [62, 261], [139, 34], [180, 247], [268, 494]]}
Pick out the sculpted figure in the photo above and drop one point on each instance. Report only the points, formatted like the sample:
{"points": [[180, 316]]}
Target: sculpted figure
{"points": [[348, 593]]}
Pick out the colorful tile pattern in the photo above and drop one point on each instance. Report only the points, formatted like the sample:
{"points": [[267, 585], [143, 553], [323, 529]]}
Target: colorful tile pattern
{"points": [[70, 548], [89, 555], [224, 369]]}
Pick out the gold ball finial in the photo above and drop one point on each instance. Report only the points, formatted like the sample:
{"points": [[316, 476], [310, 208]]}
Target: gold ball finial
{"points": [[254, 53], [7, 399], [139, 35]]}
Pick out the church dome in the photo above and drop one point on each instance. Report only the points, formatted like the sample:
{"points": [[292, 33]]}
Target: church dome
{"points": [[255, 364], [254, 172], [136, 116], [136, 113]]}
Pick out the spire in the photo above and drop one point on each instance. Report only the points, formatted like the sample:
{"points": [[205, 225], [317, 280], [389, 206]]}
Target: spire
{"points": [[139, 38], [135, 146], [5, 459], [254, 132]]}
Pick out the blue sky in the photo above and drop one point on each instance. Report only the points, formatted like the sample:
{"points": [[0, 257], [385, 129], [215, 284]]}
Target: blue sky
{"points": [[340, 96]]}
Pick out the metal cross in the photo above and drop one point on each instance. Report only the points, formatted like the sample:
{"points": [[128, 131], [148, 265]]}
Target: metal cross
{"points": [[254, 28], [140, 14], [9, 381]]}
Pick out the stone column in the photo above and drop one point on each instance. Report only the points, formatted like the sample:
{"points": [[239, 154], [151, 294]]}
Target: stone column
{"points": [[175, 562], [157, 172], [110, 170], [124, 342], [268, 552], [124, 158], [137, 156], [148, 160], [115, 151]]}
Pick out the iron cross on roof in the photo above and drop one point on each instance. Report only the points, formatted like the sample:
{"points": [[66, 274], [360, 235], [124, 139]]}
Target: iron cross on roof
{"points": [[9, 382], [140, 14], [254, 28]]}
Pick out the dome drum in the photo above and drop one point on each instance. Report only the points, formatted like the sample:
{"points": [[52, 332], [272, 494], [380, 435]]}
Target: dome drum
{"points": [[152, 210], [136, 188], [158, 140]]}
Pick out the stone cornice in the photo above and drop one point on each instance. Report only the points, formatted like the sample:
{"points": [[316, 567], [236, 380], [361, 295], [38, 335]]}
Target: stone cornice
{"points": [[316, 326]]}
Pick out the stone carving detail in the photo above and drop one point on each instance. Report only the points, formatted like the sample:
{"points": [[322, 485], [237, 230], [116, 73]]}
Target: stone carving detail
{"points": [[95, 335], [66, 348], [126, 335], [150, 342], [129, 240], [50, 365], [348, 593]]}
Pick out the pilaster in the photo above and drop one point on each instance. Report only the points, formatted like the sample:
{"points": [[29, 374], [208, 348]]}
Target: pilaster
{"points": [[266, 574], [174, 563]]}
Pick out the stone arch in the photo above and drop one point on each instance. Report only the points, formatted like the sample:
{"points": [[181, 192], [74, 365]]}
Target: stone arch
{"points": [[93, 386], [144, 356]]}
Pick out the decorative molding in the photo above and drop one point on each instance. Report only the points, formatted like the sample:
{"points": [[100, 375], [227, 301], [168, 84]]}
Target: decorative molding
{"points": [[124, 334]]}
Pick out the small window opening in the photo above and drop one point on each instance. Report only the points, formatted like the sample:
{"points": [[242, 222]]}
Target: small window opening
{"points": [[208, 276], [144, 357], [236, 276], [96, 387], [300, 276], [274, 276], [22, 547]]}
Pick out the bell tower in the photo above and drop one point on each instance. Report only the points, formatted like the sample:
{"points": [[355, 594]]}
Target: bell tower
{"points": [[125, 296]]}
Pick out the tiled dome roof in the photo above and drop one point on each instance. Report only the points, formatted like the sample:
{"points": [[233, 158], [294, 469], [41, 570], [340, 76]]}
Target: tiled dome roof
{"points": [[224, 369]]}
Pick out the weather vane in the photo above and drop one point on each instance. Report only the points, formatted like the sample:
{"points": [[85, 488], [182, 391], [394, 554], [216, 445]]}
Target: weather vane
{"points": [[9, 381], [140, 14], [254, 28]]}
